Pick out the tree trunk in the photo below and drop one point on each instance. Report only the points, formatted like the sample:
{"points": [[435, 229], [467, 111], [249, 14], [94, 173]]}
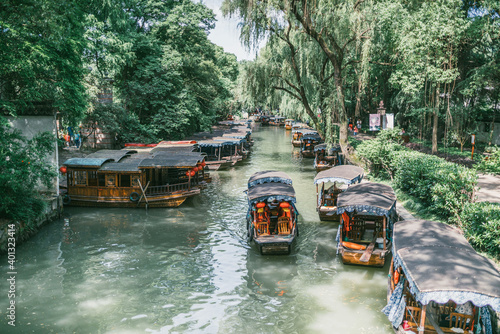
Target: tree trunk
{"points": [[435, 125]]}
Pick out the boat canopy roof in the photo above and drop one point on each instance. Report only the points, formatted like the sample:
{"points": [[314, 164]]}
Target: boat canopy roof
{"points": [[237, 135], [173, 161], [320, 147], [86, 162], [279, 117], [347, 174], [268, 176], [128, 165], [270, 192], [370, 198], [303, 130], [115, 155], [289, 120], [230, 141], [172, 150], [311, 136], [440, 265]]}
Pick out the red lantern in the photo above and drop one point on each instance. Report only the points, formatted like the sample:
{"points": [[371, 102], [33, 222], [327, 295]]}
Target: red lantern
{"points": [[187, 173], [195, 169], [193, 173], [203, 164], [260, 205], [63, 169], [284, 205]]}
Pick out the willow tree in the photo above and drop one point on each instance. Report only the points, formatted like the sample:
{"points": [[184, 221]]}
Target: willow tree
{"points": [[338, 27]]}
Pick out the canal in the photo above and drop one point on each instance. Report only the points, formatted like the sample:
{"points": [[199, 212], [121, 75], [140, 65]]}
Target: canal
{"points": [[191, 270]]}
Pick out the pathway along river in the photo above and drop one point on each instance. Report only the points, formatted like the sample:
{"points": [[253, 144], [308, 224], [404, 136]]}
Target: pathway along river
{"points": [[191, 270]]}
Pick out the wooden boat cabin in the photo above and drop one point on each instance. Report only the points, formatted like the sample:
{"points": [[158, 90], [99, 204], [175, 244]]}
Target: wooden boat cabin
{"points": [[232, 149], [329, 184], [307, 143], [367, 211], [213, 149], [325, 158], [438, 283], [264, 119], [125, 178], [278, 121], [272, 215], [288, 124]]}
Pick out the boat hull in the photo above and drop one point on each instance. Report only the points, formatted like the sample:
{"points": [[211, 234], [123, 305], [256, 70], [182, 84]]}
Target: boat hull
{"points": [[325, 213], [352, 256]]}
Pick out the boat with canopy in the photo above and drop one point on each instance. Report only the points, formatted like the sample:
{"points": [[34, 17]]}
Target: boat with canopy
{"points": [[272, 215], [438, 283], [329, 184], [325, 157], [368, 211]]}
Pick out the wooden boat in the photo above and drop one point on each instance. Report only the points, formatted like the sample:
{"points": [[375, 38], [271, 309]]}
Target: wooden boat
{"points": [[277, 121], [326, 196], [214, 158], [288, 124], [438, 283], [368, 211], [264, 120], [325, 158], [307, 143], [297, 136], [125, 178], [272, 216]]}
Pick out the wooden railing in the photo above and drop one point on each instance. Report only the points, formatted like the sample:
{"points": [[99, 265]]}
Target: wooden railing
{"points": [[169, 188]]}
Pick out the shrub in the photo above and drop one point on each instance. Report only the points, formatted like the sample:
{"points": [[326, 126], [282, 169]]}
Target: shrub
{"points": [[490, 164], [481, 224], [444, 187]]}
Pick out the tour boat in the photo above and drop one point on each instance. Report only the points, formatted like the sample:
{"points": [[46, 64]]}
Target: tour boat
{"points": [[438, 283], [307, 143], [338, 178], [325, 158], [368, 211], [288, 124], [272, 215], [297, 136], [128, 178]]}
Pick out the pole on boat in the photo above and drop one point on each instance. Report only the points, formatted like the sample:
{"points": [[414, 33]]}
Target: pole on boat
{"points": [[421, 327], [143, 193]]}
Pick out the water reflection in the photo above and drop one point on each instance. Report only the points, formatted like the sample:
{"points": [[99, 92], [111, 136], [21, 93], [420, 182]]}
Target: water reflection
{"points": [[191, 270]]}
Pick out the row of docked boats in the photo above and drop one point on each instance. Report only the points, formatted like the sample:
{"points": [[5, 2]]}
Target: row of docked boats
{"points": [[437, 282], [154, 175]]}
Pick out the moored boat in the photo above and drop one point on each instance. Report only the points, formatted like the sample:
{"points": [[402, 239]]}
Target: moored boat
{"points": [[329, 184], [126, 178], [438, 283], [272, 215], [288, 124], [325, 158], [368, 211], [308, 141], [297, 136]]}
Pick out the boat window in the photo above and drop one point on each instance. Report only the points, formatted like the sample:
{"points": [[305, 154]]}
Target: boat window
{"points": [[135, 181], [80, 178], [125, 180], [101, 179], [111, 180], [70, 178], [93, 178]]}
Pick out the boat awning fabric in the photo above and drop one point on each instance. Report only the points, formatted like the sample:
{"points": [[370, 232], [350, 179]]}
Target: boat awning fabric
{"points": [[312, 136], [346, 174], [302, 130], [271, 191], [115, 155], [440, 265], [268, 176], [211, 143], [370, 198], [174, 161], [320, 147], [86, 162], [237, 135], [173, 150], [230, 141]]}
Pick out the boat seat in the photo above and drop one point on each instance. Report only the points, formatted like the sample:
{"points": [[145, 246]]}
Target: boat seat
{"points": [[459, 320], [262, 228], [412, 315], [283, 225]]}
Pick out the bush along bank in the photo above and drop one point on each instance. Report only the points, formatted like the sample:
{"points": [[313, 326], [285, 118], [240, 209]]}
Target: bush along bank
{"points": [[444, 188], [22, 230]]}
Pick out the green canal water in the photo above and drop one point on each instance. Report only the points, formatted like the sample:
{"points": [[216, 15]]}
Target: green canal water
{"points": [[191, 270]]}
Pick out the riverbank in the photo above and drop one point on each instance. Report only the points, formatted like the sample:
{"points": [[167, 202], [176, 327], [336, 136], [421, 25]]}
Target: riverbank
{"points": [[23, 230]]}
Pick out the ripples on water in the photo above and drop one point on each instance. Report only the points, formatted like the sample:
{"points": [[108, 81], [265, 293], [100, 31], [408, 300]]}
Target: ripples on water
{"points": [[191, 270]]}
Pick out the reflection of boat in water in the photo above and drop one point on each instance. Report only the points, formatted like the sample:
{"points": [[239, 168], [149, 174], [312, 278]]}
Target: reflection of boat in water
{"points": [[438, 283], [272, 216], [326, 197], [368, 211]]}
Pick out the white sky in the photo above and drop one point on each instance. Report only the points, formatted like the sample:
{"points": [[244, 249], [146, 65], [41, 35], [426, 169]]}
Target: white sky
{"points": [[226, 33]]}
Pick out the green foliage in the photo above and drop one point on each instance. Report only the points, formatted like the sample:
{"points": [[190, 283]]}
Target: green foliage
{"points": [[22, 169], [481, 222], [445, 188], [491, 163], [382, 151]]}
